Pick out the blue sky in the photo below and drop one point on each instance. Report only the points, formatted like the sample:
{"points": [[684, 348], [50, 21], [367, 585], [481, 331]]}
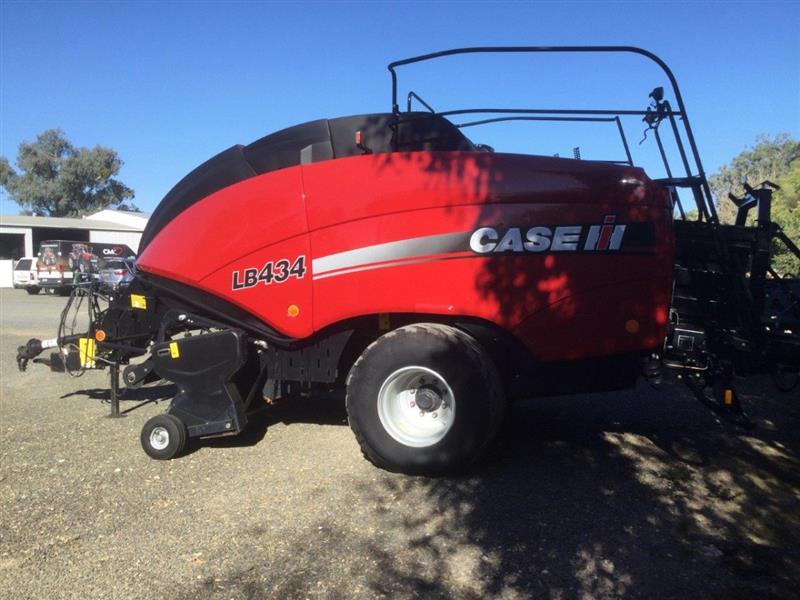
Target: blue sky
{"points": [[170, 84]]}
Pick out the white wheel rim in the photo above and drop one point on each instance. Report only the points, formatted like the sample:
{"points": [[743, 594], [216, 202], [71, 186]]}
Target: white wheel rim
{"points": [[159, 438], [416, 406]]}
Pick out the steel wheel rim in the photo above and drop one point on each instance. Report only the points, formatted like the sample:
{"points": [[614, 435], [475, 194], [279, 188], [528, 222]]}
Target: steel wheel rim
{"points": [[159, 438], [416, 406]]}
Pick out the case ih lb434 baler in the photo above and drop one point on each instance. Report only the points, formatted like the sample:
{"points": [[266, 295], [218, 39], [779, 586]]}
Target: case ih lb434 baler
{"points": [[436, 280]]}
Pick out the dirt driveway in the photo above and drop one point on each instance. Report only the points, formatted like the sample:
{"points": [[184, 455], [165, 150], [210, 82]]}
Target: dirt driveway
{"points": [[637, 494]]}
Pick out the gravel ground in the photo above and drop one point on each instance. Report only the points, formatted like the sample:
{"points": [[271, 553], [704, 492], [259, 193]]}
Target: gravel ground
{"points": [[637, 494]]}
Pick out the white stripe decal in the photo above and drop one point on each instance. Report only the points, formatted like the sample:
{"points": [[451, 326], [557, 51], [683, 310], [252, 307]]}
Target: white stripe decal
{"points": [[395, 263], [430, 245]]}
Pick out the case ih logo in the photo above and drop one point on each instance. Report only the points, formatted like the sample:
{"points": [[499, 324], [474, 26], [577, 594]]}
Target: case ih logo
{"points": [[562, 238]]}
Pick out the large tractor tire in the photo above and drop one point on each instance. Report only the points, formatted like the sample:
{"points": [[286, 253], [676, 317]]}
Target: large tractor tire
{"points": [[424, 398]]}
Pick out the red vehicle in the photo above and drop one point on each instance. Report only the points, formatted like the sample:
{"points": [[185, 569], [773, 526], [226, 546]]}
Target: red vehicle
{"points": [[436, 280], [63, 264]]}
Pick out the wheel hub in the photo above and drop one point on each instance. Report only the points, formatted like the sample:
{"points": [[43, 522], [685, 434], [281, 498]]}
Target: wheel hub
{"points": [[428, 399], [159, 438], [416, 406]]}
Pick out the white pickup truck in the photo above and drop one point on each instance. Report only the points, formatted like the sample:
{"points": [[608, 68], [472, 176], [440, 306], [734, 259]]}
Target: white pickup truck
{"points": [[25, 275]]}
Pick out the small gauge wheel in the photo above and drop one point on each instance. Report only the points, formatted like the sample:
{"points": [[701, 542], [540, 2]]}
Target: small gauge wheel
{"points": [[164, 437]]}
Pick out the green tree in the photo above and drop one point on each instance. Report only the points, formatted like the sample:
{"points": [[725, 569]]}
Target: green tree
{"points": [[56, 179], [768, 159], [786, 212]]}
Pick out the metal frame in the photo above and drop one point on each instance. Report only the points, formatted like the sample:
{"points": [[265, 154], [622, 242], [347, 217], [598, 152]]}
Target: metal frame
{"points": [[629, 159], [697, 182], [740, 332]]}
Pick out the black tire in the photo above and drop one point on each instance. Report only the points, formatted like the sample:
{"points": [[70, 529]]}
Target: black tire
{"points": [[32, 290], [154, 431], [786, 378], [463, 366]]}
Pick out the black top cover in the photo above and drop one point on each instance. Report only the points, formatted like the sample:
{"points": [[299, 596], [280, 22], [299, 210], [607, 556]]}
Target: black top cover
{"points": [[310, 142]]}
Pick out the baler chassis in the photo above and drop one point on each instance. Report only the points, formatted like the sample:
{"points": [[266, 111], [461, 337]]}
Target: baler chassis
{"points": [[731, 315]]}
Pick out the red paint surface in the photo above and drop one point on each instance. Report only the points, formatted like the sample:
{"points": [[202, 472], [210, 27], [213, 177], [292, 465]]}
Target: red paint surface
{"points": [[562, 305]]}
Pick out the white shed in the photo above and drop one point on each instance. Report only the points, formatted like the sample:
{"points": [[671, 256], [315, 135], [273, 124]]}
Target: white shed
{"points": [[20, 235]]}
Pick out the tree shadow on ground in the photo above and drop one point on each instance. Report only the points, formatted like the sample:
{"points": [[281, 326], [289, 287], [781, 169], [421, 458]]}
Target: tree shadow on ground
{"points": [[613, 498], [635, 494]]}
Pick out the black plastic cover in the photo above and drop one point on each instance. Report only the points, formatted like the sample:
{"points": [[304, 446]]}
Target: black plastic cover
{"points": [[225, 169], [385, 132], [284, 148], [304, 144]]}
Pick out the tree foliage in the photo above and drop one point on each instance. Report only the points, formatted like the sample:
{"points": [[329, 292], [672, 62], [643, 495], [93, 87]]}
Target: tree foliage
{"points": [[55, 178], [768, 159], [786, 212], [778, 160]]}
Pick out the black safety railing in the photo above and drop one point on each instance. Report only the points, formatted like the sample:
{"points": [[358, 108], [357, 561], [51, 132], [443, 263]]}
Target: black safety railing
{"points": [[694, 179]]}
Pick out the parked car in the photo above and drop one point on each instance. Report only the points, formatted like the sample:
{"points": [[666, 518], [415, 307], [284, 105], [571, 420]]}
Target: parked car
{"points": [[25, 275], [64, 263], [115, 271]]}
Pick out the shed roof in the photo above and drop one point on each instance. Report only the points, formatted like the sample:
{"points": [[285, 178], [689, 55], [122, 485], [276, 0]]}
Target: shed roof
{"points": [[63, 223]]}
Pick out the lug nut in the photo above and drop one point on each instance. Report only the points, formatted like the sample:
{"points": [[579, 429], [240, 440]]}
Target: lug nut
{"points": [[434, 415], [412, 404]]}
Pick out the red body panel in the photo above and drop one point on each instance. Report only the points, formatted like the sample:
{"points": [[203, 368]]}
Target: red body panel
{"points": [[241, 226], [393, 233]]}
